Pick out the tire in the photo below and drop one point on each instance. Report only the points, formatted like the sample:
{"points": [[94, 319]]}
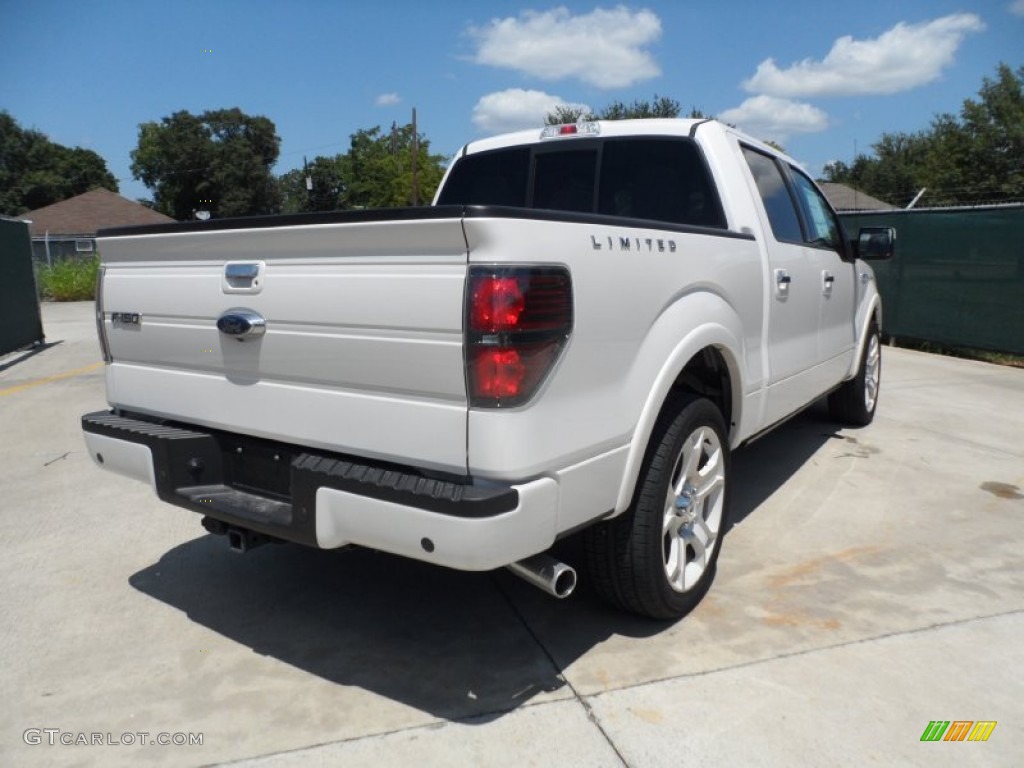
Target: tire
{"points": [[658, 558], [854, 403]]}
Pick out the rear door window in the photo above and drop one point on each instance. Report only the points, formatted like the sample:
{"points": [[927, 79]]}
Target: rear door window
{"points": [[778, 203]]}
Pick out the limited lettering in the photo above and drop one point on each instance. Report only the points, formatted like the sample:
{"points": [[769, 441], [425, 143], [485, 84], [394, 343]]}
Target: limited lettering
{"points": [[639, 244]]}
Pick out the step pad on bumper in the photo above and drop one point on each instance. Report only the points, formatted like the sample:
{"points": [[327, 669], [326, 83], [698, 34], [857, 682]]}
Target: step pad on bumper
{"points": [[249, 506], [271, 487]]}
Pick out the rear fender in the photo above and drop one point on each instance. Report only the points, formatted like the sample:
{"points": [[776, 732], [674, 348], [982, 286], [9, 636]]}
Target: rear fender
{"points": [[712, 323]]}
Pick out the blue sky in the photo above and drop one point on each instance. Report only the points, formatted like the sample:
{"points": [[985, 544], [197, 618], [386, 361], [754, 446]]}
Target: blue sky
{"points": [[819, 77]]}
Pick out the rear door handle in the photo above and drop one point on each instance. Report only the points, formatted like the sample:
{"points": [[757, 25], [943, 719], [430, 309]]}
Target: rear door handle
{"points": [[782, 281], [827, 280]]}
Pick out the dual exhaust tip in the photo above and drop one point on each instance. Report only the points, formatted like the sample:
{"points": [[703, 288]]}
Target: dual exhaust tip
{"points": [[542, 571]]}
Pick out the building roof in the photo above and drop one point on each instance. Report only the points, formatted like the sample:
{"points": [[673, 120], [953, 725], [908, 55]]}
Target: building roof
{"points": [[84, 214], [844, 198]]}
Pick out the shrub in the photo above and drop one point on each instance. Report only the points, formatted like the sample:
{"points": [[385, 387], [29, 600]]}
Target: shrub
{"points": [[70, 280]]}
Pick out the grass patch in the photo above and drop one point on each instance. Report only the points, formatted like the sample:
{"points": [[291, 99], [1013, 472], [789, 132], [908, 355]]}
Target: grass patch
{"points": [[984, 355], [70, 280]]}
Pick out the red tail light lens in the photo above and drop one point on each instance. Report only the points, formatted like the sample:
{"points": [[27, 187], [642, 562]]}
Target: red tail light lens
{"points": [[517, 322], [499, 372], [496, 304]]}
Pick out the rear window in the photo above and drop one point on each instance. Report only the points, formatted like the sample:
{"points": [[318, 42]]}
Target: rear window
{"points": [[661, 179], [489, 178], [564, 181]]}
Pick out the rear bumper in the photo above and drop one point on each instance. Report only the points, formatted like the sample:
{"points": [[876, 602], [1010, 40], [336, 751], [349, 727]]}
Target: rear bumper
{"points": [[327, 500]]}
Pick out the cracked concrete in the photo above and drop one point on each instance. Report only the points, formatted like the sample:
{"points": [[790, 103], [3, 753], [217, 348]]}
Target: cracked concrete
{"points": [[871, 583]]}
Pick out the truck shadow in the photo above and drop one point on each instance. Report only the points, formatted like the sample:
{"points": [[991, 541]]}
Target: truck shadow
{"points": [[761, 468], [454, 645]]}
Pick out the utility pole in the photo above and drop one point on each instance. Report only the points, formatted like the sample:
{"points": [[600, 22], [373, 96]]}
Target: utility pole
{"points": [[415, 161]]}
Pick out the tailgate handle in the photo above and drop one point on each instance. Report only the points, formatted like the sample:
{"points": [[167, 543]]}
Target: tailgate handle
{"points": [[241, 271], [243, 277]]}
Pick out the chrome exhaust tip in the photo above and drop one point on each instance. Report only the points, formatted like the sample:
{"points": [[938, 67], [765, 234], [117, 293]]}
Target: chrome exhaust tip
{"points": [[546, 573]]}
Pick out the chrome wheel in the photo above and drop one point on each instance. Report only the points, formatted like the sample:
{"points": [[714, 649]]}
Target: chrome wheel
{"points": [[872, 372], [854, 402], [693, 509], [658, 558]]}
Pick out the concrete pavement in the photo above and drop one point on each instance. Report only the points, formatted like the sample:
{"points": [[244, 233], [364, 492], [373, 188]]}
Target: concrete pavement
{"points": [[872, 582]]}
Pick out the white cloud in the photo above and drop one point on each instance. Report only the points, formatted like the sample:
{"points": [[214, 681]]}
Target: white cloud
{"points": [[387, 100], [768, 117], [1017, 7], [604, 48], [515, 109], [904, 57]]}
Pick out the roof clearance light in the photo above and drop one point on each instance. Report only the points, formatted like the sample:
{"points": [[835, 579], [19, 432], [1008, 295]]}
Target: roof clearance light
{"points": [[570, 129]]}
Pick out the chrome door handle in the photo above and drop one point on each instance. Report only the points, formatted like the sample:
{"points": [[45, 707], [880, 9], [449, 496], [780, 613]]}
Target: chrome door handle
{"points": [[827, 280], [782, 281]]}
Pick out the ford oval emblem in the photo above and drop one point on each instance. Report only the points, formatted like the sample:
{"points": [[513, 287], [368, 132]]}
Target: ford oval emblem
{"points": [[242, 324]]}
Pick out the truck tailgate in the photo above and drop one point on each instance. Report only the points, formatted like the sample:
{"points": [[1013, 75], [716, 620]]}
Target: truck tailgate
{"points": [[362, 352]]}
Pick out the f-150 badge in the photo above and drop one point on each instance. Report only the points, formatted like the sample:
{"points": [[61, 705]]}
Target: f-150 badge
{"points": [[125, 318]]}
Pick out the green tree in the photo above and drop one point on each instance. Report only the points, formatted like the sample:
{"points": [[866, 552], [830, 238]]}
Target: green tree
{"points": [[218, 161], [659, 106], [327, 179], [568, 113], [974, 157], [35, 172], [993, 162], [375, 172], [378, 169]]}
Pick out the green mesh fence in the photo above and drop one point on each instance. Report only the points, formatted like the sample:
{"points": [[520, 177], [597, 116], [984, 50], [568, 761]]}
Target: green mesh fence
{"points": [[20, 324], [958, 275]]}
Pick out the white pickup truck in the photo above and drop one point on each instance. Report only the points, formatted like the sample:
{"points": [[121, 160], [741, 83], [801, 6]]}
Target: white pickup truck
{"points": [[573, 337]]}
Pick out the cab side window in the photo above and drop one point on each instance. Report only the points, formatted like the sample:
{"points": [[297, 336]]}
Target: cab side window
{"points": [[774, 192]]}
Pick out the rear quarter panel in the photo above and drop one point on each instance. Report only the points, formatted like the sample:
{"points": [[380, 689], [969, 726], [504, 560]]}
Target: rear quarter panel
{"points": [[645, 301]]}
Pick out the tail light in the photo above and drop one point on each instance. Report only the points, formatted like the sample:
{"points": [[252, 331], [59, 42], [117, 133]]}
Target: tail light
{"points": [[517, 322]]}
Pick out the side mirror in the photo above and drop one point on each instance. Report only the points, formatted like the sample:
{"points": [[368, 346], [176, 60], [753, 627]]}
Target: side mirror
{"points": [[875, 243]]}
